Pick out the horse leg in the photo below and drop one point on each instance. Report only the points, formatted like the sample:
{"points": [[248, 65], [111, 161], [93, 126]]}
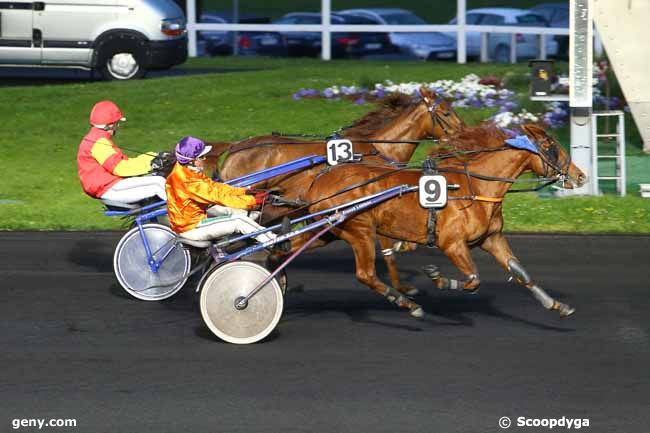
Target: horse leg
{"points": [[460, 254], [498, 246], [363, 246], [387, 251]]}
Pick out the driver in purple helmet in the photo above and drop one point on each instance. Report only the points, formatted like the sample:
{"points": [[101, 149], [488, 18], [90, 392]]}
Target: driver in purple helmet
{"points": [[190, 193]]}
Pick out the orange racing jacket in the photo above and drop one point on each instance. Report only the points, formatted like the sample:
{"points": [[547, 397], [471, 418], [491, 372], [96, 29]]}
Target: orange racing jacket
{"points": [[101, 164], [189, 194]]}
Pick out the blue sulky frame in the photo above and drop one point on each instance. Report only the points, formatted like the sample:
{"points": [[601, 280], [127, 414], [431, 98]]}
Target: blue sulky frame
{"points": [[153, 211]]}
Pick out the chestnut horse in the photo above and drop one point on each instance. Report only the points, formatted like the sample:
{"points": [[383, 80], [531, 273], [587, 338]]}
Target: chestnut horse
{"points": [[473, 216], [399, 119]]}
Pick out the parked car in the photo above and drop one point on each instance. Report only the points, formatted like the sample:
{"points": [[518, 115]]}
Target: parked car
{"points": [[499, 43], [434, 45], [249, 43], [557, 15], [347, 44], [121, 39]]}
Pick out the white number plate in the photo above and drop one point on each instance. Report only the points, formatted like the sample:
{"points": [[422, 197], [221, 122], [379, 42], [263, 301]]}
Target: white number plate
{"points": [[433, 191], [374, 46], [339, 151]]}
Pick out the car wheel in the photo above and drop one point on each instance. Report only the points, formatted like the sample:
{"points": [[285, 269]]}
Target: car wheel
{"points": [[122, 65], [502, 54]]}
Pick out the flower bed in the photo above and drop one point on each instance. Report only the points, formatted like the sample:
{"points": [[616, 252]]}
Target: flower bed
{"points": [[470, 92]]}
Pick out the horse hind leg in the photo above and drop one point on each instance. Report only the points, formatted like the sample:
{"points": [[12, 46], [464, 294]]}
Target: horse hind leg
{"points": [[363, 246], [469, 285], [388, 251], [460, 254]]}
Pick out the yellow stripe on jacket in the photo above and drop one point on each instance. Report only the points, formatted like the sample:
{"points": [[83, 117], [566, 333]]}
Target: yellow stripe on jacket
{"points": [[113, 160]]}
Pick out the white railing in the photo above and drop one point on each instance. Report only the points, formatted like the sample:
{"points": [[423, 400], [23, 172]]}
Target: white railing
{"points": [[326, 29]]}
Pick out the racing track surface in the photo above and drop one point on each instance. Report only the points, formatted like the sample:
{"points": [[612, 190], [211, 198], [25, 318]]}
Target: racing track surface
{"points": [[342, 359]]}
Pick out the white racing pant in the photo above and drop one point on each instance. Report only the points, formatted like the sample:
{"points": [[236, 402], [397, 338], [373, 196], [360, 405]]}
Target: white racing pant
{"points": [[214, 228], [218, 210], [134, 189]]}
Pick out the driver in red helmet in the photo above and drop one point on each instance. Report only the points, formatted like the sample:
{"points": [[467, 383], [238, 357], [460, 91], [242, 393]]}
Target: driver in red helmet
{"points": [[104, 171]]}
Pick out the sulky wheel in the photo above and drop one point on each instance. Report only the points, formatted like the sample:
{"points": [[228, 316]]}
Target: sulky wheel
{"points": [[132, 268], [224, 286]]}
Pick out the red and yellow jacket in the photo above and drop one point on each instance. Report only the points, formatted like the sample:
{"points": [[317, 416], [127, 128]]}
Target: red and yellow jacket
{"points": [[189, 194], [101, 163]]}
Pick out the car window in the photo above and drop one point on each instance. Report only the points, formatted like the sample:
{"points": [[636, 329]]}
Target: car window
{"points": [[285, 20], [397, 19], [545, 11], [493, 20], [355, 19], [308, 20], [473, 18], [469, 19], [532, 20], [561, 16]]}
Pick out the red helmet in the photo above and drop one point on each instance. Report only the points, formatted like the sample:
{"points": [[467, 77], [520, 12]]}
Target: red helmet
{"points": [[105, 113]]}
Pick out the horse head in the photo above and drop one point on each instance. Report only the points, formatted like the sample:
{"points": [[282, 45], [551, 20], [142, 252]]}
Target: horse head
{"points": [[444, 119], [552, 160]]}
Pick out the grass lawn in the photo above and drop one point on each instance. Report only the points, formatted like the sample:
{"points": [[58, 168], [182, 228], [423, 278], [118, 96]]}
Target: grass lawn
{"points": [[43, 125]]}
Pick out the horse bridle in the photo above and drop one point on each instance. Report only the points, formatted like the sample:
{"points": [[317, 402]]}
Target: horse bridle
{"points": [[550, 160], [447, 129]]}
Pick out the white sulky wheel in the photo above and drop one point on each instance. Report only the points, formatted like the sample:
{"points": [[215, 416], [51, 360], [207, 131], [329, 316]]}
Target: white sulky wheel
{"points": [[221, 289], [132, 269]]}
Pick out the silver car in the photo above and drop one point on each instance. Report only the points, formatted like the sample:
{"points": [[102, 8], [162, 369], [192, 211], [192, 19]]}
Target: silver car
{"points": [[499, 43], [119, 38], [433, 45]]}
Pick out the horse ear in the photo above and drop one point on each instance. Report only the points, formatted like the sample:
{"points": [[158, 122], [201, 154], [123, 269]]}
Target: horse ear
{"points": [[426, 93], [536, 132]]}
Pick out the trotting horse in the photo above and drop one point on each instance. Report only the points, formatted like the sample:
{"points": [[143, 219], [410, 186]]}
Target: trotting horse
{"points": [[399, 119], [484, 172]]}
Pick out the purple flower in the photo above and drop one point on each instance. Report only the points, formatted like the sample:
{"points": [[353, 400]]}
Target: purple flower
{"points": [[360, 101], [328, 93]]}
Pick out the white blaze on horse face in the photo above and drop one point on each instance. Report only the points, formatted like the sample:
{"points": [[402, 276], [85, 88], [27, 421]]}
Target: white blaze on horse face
{"points": [[432, 191]]}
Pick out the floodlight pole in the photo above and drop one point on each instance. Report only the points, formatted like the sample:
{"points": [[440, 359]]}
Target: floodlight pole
{"points": [[580, 91]]}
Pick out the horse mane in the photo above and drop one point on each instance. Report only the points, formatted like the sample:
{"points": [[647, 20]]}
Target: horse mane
{"points": [[389, 109], [483, 137]]}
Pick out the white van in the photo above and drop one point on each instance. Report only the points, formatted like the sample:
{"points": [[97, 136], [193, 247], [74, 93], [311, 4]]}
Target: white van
{"points": [[119, 38]]}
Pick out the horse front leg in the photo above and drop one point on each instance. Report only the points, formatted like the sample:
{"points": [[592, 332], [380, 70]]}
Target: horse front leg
{"points": [[388, 251], [498, 246], [362, 241], [460, 255]]}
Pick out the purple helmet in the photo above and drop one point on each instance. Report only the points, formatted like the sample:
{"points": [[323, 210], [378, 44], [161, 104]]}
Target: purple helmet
{"points": [[189, 149]]}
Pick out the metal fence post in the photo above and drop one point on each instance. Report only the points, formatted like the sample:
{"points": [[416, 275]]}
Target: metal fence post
{"points": [[513, 48], [326, 48], [541, 40], [484, 47], [191, 29], [461, 48]]}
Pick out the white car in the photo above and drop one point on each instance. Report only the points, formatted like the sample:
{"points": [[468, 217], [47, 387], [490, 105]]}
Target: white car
{"points": [[434, 45], [499, 43]]}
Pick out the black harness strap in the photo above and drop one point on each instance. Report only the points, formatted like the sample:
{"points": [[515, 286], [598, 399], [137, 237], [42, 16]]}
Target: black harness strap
{"points": [[429, 169]]}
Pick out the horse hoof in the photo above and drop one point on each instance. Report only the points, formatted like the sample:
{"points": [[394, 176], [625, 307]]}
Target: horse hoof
{"points": [[417, 312], [566, 311]]}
